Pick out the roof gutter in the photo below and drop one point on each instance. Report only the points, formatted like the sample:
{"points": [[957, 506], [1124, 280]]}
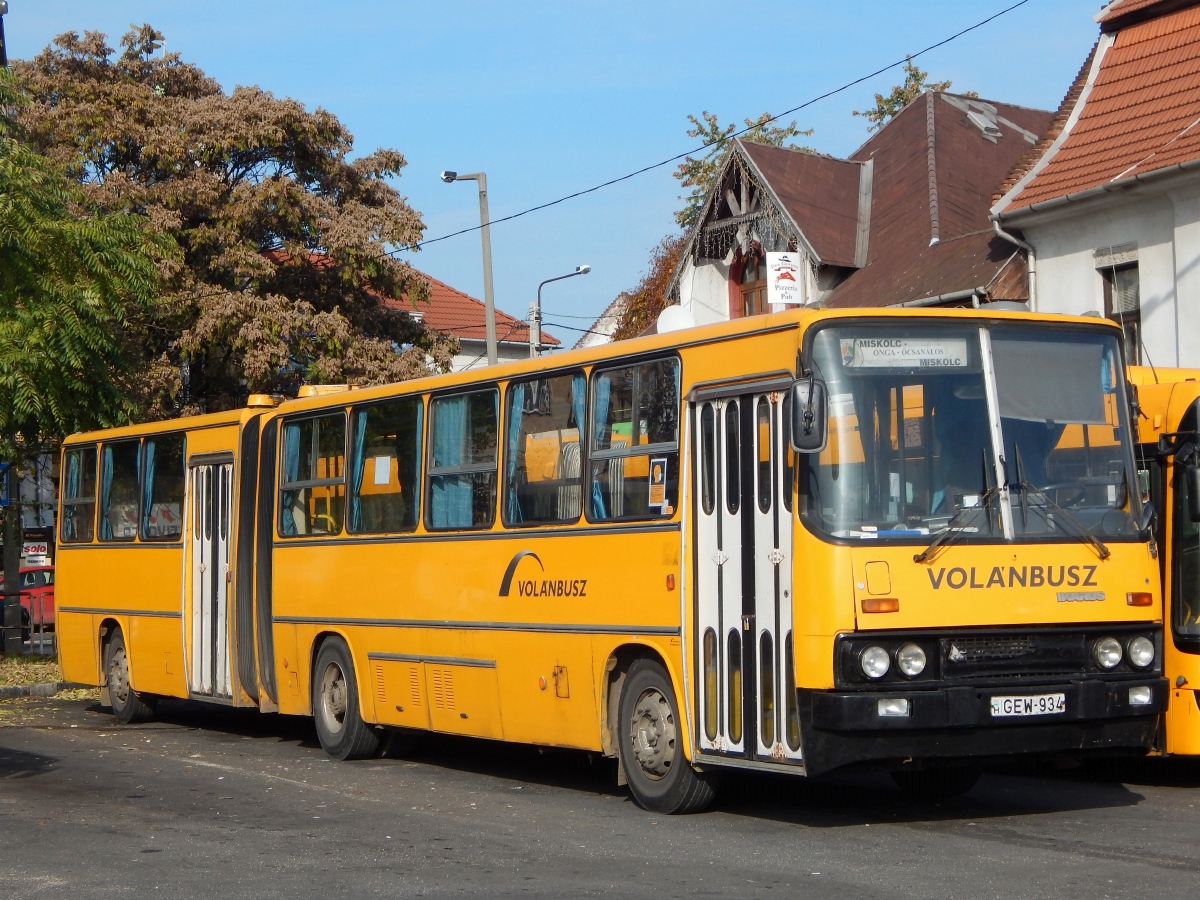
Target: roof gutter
{"points": [[1030, 258], [1107, 188], [972, 294]]}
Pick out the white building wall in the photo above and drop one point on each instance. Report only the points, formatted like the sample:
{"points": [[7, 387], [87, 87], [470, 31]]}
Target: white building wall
{"points": [[1166, 230], [704, 290], [473, 354]]}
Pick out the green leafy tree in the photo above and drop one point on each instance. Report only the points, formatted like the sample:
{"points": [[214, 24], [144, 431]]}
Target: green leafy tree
{"points": [[73, 282], [915, 84], [281, 236], [698, 172]]}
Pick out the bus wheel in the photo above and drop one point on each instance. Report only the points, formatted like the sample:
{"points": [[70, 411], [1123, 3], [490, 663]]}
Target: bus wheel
{"points": [[340, 727], [127, 704], [660, 778], [932, 785]]}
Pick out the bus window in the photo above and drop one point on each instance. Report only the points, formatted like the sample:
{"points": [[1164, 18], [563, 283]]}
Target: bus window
{"points": [[79, 496], [462, 467], [634, 457], [541, 453], [119, 491], [313, 490], [162, 488], [708, 459], [385, 467]]}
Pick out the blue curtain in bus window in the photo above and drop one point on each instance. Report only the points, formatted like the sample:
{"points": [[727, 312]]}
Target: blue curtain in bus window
{"points": [[106, 475], [70, 529], [357, 464], [516, 407], [579, 402], [450, 503], [148, 486], [598, 422], [291, 471]]}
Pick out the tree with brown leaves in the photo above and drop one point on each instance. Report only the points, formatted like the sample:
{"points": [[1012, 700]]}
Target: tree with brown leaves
{"points": [[282, 238]]}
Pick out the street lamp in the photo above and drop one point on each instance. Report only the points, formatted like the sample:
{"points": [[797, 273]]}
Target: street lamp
{"points": [[489, 306], [535, 311], [3, 44]]}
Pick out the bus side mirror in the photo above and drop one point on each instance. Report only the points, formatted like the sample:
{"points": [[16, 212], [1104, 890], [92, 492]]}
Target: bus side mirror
{"points": [[809, 423], [1192, 474]]}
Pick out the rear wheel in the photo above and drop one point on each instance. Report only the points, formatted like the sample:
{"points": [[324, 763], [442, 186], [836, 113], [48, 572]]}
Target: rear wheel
{"points": [[932, 785], [660, 778], [127, 704], [340, 727]]}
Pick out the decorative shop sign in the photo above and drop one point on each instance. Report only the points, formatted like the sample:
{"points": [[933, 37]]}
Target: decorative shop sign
{"points": [[785, 279]]}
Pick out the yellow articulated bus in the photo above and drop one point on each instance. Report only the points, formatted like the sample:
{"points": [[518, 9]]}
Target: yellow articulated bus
{"points": [[799, 542], [1169, 453]]}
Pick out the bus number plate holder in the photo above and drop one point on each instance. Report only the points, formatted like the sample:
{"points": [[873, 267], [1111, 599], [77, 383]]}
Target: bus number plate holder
{"points": [[1030, 705]]}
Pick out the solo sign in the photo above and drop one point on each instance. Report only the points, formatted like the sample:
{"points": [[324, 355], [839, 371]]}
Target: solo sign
{"points": [[785, 279]]}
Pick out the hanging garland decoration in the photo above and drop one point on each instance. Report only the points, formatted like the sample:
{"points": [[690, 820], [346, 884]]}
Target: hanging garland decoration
{"points": [[768, 225]]}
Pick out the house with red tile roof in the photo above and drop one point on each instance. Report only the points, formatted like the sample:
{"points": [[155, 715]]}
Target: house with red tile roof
{"points": [[1108, 206], [901, 221], [452, 312]]}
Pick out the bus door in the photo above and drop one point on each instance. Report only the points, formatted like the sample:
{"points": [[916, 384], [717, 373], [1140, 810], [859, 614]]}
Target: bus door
{"points": [[746, 683], [210, 487]]}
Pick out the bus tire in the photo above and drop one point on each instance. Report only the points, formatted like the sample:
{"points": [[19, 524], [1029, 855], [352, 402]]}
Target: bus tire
{"points": [[340, 726], [934, 785], [127, 704], [660, 777]]}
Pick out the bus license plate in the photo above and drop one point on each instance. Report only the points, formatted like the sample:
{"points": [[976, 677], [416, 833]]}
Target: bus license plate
{"points": [[1036, 705]]}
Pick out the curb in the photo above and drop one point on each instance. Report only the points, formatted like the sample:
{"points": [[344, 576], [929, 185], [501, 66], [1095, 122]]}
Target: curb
{"points": [[38, 690]]}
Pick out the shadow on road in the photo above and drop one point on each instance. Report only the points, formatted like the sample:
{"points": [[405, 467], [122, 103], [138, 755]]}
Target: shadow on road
{"points": [[19, 764], [839, 800]]}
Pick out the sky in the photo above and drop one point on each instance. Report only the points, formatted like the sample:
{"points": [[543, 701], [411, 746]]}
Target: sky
{"points": [[551, 98]]}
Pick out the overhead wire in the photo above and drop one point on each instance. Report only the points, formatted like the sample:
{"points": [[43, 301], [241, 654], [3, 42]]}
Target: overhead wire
{"points": [[679, 156]]}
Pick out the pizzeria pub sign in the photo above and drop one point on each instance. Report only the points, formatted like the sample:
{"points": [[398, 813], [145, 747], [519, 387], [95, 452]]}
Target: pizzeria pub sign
{"points": [[785, 279]]}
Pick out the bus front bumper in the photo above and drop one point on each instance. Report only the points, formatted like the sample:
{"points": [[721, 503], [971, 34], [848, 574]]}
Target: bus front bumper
{"points": [[959, 723]]}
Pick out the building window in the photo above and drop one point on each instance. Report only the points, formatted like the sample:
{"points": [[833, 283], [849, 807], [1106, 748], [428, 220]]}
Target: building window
{"points": [[754, 285], [1123, 304]]}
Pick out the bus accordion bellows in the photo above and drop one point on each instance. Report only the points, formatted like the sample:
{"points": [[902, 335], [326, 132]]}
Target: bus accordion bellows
{"points": [[799, 542]]}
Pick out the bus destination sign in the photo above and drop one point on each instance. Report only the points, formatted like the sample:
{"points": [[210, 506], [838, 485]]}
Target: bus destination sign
{"points": [[904, 353]]}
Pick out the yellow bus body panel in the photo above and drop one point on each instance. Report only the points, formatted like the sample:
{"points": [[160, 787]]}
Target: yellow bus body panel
{"points": [[139, 586], [1164, 396]]}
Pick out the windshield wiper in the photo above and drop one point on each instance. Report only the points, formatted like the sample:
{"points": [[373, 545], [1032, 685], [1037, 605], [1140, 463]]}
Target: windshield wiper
{"points": [[1077, 528], [956, 526], [1080, 531]]}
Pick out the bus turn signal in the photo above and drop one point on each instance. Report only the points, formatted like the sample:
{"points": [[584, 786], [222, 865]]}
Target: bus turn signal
{"points": [[880, 605], [1139, 598]]}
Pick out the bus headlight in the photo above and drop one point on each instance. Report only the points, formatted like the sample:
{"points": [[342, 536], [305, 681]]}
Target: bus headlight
{"points": [[911, 660], [1141, 652], [1107, 652], [875, 662]]}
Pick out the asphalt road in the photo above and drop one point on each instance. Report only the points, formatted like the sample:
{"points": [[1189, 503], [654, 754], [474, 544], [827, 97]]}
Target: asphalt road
{"points": [[209, 802]]}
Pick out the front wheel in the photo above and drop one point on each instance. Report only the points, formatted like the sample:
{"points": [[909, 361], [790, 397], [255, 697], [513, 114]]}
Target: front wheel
{"points": [[660, 778], [340, 726], [127, 704]]}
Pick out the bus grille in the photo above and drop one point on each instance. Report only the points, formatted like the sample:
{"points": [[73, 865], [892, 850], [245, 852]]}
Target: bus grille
{"points": [[1013, 656]]}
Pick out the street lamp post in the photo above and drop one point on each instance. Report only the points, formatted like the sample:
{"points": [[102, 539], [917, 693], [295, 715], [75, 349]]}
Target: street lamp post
{"points": [[535, 311], [3, 43], [485, 232]]}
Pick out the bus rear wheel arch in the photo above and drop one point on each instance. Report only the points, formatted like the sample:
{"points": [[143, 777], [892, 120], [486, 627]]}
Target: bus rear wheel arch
{"points": [[127, 704], [340, 726], [651, 735]]}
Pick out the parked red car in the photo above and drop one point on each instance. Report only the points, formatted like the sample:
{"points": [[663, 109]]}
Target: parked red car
{"points": [[37, 597]]}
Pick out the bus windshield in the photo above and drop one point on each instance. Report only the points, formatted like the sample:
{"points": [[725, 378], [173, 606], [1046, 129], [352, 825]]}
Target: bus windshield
{"points": [[941, 426]]}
